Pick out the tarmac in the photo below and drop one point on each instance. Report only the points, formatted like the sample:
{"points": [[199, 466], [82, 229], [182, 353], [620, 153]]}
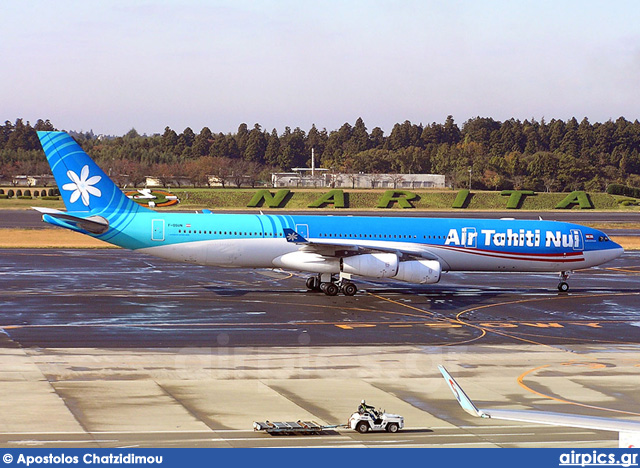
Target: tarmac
{"points": [[108, 348], [94, 397]]}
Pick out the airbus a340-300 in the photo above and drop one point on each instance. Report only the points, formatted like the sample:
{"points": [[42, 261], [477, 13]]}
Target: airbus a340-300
{"points": [[333, 249]]}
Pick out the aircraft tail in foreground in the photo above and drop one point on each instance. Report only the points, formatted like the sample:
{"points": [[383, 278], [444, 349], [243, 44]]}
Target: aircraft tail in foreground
{"points": [[628, 431]]}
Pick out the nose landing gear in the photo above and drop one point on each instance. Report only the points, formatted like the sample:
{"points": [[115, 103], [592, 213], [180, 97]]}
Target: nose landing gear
{"points": [[563, 286]]}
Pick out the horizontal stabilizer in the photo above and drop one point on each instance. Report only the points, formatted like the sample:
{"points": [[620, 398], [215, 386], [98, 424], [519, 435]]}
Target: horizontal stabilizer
{"points": [[92, 224]]}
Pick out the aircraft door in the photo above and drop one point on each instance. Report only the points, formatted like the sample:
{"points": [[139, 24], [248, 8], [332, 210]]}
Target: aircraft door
{"points": [[303, 230], [578, 244], [157, 230], [469, 237]]}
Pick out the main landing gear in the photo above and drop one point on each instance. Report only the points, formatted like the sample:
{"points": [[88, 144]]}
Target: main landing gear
{"points": [[563, 286], [330, 286]]}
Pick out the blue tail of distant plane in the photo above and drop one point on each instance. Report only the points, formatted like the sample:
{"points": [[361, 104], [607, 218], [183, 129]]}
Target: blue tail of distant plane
{"points": [[84, 187]]}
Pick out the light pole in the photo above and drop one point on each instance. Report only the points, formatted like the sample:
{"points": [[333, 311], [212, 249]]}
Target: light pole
{"points": [[469, 178]]}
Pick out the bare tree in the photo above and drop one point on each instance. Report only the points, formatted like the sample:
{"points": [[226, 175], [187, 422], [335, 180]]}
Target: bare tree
{"points": [[163, 172], [518, 182], [550, 183], [239, 169], [396, 179], [375, 179], [220, 168], [253, 172], [353, 177], [195, 169]]}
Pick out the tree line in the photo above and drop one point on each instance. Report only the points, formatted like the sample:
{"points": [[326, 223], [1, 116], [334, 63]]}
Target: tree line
{"points": [[512, 154]]}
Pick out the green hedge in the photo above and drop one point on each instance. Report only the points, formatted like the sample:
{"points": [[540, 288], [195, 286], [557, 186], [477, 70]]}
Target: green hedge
{"points": [[402, 197], [461, 200], [619, 189]]}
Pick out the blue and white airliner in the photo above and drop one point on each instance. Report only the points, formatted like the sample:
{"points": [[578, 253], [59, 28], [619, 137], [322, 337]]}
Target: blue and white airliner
{"points": [[333, 249]]}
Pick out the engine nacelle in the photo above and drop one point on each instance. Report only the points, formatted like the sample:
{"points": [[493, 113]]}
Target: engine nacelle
{"points": [[377, 265], [419, 271], [307, 261]]}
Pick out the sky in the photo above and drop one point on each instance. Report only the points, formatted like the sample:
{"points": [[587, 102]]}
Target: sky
{"points": [[109, 66]]}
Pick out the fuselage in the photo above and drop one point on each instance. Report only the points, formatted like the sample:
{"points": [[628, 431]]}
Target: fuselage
{"points": [[256, 241]]}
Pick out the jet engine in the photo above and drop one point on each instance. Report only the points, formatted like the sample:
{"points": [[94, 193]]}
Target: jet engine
{"points": [[307, 261], [376, 265], [419, 271]]}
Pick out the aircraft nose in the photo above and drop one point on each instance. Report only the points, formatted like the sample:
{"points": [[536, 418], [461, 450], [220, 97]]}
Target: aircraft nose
{"points": [[614, 251], [617, 251]]}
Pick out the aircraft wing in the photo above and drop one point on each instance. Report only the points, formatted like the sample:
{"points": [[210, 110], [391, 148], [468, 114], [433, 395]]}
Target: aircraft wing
{"points": [[331, 247], [628, 431]]}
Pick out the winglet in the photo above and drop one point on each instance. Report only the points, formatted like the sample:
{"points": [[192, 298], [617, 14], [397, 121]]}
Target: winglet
{"points": [[293, 236], [462, 397]]}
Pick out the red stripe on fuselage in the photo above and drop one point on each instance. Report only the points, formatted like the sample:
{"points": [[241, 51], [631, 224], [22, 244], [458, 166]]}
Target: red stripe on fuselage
{"points": [[558, 258]]}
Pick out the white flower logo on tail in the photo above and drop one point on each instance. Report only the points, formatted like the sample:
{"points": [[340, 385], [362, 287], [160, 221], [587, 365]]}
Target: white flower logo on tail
{"points": [[83, 186]]}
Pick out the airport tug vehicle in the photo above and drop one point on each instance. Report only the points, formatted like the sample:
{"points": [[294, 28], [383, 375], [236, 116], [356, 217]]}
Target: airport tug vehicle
{"points": [[368, 418]]}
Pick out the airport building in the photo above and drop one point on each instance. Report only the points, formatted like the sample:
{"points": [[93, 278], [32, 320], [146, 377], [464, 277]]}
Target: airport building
{"points": [[27, 181], [305, 177]]}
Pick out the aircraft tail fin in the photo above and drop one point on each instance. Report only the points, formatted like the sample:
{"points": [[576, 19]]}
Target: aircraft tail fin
{"points": [[628, 431], [462, 397], [84, 187]]}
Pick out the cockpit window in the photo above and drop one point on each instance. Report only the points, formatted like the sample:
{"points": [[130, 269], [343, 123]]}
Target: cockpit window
{"points": [[603, 239]]}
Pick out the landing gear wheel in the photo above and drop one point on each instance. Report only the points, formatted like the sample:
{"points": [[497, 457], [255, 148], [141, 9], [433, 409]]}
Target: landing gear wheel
{"points": [[362, 427], [563, 286], [311, 283], [330, 289], [349, 289], [392, 427]]}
